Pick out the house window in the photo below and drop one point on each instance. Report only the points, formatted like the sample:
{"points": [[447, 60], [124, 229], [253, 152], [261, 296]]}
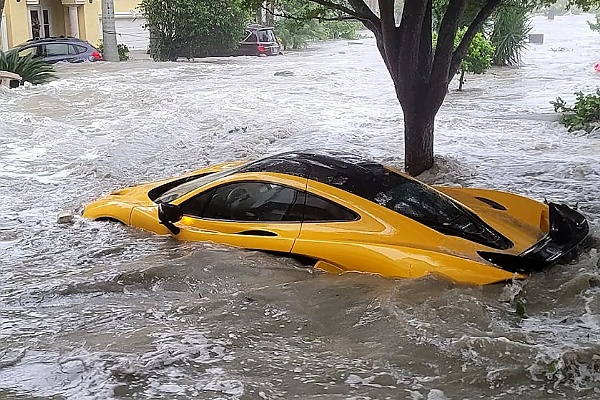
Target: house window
{"points": [[46, 23]]}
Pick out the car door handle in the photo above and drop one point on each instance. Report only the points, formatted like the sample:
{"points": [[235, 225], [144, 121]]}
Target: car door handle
{"points": [[257, 232]]}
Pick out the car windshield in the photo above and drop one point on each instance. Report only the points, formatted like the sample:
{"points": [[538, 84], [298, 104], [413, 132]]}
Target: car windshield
{"points": [[415, 200], [431, 208], [167, 192]]}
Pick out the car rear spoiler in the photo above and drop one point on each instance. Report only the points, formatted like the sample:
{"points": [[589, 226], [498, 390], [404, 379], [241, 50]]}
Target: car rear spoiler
{"points": [[568, 228]]}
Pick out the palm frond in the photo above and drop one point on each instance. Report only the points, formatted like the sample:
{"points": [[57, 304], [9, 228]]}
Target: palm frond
{"points": [[509, 35], [33, 70]]}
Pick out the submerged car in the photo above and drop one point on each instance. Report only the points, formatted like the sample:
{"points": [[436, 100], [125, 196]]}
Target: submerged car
{"points": [[61, 48], [259, 41], [350, 214]]}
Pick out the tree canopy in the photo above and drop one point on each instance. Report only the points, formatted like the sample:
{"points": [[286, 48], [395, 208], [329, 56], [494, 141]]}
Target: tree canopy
{"points": [[193, 28]]}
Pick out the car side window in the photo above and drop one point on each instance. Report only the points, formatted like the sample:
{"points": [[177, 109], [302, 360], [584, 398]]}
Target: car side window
{"points": [[318, 209], [244, 201], [56, 49], [79, 49], [251, 37], [28, 51]]}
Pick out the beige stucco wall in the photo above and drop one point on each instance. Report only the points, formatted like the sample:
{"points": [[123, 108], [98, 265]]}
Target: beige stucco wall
{"points": [[17, 25], [126, 5], [89, 23], [17, 19]]}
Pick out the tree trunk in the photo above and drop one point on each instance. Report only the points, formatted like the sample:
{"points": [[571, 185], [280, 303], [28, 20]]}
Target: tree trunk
{"points": [[461, 81], [418, 141]]}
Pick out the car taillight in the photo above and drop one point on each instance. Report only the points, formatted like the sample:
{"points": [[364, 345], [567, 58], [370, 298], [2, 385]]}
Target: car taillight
{"points": [[97, 56], [261, 49]]}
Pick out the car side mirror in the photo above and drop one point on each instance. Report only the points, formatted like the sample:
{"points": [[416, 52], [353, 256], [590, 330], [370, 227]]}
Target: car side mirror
{"points": [[168, 214]]}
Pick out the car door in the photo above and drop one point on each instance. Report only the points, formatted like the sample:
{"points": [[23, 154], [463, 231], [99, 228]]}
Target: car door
{"points": [[341, 238], [258, 215]]}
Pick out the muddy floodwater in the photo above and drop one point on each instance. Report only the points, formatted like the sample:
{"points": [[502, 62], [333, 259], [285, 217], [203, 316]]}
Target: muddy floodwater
{"points": [[96, 310]]}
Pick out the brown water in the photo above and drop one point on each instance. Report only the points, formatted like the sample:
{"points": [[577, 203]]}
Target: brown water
{"points": [[94, 310]]}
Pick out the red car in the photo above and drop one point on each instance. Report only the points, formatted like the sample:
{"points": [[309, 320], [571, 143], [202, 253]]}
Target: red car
{"points": [[259, 41]]}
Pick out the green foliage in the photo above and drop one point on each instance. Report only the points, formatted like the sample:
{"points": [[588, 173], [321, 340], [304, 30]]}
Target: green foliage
{"points": [[295, 34], [585, 113], [121, 48], [520, 308], [479, 56], [193, 28], [509, 35], [595, 26], [33, 70], [305, 25]]}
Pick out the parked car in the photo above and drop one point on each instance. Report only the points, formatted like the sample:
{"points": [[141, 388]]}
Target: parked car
{"points": [[55, 49], [259, 41], [350, 214]]}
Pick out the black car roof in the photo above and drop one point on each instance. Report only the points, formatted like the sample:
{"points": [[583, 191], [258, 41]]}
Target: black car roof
{"points": [[52, 39], [346, 171], [256, 27]]}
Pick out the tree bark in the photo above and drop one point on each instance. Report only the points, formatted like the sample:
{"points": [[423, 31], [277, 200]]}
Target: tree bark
{"points": [[418, 141]]}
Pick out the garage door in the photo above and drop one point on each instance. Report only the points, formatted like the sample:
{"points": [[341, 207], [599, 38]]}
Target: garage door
{"points": [[130, 30]]}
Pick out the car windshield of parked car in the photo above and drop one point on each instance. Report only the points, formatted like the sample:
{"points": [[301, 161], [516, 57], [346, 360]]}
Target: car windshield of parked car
{"points": [[173, 190]]}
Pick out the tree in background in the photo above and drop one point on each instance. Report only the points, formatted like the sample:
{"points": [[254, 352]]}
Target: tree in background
{"points": [[509, 34], [420, 73], [297, 22], [193, 28]]}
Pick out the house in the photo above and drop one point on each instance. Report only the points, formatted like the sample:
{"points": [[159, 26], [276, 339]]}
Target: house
{"points": [[26, 19]]}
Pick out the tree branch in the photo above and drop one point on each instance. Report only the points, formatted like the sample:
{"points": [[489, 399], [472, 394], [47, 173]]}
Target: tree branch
{"points": [[475, 27], [292, 17], [445, 41], [409, 34], [389, 36], [339, 7]]}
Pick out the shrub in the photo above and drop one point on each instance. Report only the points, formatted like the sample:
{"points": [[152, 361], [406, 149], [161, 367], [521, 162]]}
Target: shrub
{"points": [[33, 70], [193, 28], [122, 49], [585, 113]]}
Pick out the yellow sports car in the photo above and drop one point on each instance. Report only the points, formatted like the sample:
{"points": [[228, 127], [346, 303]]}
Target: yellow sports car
{"points": [[349, 214]]}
